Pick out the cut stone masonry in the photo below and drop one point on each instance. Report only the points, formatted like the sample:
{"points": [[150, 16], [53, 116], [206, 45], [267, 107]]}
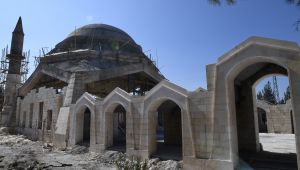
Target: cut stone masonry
{"points": [[108, 95]]}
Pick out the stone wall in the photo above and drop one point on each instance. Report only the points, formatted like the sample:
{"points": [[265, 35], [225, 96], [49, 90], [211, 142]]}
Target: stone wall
{"points": [[279, 117], [141, 120], [37, 113], [200, 103]]}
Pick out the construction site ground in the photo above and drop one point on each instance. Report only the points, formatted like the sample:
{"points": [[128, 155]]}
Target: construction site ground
{"points": [[17, 152]]}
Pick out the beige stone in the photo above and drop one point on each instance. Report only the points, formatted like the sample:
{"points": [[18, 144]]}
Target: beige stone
{"points": [[105, 98]]}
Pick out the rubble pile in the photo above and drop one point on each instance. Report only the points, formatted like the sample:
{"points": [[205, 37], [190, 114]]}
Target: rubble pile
{"points": [[17, 152], [156, 164]]}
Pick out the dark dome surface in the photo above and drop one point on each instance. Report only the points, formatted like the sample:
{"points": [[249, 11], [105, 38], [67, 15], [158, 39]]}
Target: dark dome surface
{"points": [[97, 37], [101, 31]]}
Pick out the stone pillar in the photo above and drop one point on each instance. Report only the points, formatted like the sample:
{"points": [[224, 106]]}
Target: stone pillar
{"points": [[246, 117], [109, 129], [210, 77], [221, 128], [74, 90], [294, 79]]}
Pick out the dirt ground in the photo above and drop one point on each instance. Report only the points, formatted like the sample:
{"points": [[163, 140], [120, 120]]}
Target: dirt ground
{"points": [[17, 152]]}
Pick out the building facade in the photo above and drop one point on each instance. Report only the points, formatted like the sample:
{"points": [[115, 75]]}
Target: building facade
{"points": [[97, 88]]}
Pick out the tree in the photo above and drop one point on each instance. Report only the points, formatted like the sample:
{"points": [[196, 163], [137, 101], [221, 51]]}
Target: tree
{"points": [[218, 2], [287, 94], [259, 95], [267, 94], [296, 2], [231, 2], [282, 101]]}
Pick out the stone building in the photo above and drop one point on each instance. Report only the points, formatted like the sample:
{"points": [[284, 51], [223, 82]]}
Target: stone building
{"points": [[97, 88], [275, 118]]}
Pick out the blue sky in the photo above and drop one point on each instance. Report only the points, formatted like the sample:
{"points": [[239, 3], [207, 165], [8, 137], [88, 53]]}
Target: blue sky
{"points": [[185, 36]]}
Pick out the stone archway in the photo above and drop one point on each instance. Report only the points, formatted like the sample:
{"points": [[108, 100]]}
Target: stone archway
{"points": [[116, 117], [246, 117], [84, 108], [83, 126], [242, 108], [165, 129], [245, 113], [246, 60], [118, 105], [166, 91], [86, 126]]}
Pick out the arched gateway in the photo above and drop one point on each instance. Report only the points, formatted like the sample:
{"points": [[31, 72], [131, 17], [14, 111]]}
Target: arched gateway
{"points": [[235, 130]]}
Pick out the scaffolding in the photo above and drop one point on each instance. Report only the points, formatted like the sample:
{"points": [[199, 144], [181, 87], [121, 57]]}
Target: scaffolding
{"points": [[42, 53], [5, 64], [24, 66], [275, 89], [4, 67]]}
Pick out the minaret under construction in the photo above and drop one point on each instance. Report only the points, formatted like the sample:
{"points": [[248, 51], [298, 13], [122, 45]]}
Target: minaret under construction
{"points": [[13, 79]]}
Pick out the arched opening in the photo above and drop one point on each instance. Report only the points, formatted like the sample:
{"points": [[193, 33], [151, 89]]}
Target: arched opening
{"points": [[167, 131], [116, 129], [86, 126], [83, 128], [248, 120], [262, 120]]}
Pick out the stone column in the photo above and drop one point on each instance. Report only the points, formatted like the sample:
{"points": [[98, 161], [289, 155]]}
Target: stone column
{"points": [[246, 118], [74, 90], [294, 79]]}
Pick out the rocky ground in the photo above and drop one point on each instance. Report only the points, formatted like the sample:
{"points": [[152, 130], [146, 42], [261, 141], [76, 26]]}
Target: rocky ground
{"points": [[17, 152]]}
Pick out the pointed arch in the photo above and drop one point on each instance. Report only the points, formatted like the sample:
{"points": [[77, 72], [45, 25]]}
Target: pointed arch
{"points": [[85, 103], [167, 91], [255, 53], [118, 98]]}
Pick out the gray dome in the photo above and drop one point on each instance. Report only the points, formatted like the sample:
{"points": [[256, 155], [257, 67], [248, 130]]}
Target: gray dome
{"points": [[101, 31], [97, 37]]}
